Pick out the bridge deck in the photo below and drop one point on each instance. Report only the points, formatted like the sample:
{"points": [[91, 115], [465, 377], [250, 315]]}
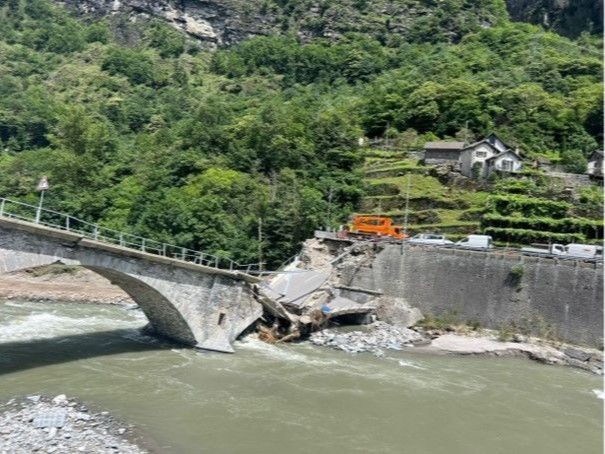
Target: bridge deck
{"points": [[82, 241]]}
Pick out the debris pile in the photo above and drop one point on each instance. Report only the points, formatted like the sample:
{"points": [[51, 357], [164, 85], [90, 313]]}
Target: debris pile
{"points": [[310, 293], [59, 425], [379, 336]]}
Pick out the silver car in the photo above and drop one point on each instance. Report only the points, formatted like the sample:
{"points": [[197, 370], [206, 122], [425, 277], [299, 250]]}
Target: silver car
{"points": [[430, 239]]}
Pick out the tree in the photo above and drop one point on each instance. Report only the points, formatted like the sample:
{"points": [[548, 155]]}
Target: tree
{"points": [[574, 161]]}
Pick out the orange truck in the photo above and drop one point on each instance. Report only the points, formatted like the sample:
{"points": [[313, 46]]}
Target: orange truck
{"points": [[375, 226]]}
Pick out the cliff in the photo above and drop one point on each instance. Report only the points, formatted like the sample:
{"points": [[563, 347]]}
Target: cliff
{"points": [[567, 17], [224, 22]]}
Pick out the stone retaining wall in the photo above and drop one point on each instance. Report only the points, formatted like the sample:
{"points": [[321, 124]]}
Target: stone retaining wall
{"points": [[563, 297]]}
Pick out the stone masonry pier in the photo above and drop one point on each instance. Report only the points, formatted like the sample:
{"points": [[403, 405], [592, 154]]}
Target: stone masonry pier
{"points": [[193, 304]]}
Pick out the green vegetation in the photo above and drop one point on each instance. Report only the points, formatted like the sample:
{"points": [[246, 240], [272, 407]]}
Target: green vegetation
{"points": [[140, 130], [516, 274], [448, 320]]}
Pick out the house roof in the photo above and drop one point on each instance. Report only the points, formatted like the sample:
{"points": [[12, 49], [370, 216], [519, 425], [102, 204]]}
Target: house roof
{"points": [[486, 140], [476, 144], [493, 134], [444, 145], [597, 154], [503, 153]]}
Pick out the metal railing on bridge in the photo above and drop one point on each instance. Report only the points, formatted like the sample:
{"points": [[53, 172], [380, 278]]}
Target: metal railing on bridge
{"points": [[61, 221]]}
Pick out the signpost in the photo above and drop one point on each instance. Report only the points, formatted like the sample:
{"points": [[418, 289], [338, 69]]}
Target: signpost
{"points": [[42, 187]]}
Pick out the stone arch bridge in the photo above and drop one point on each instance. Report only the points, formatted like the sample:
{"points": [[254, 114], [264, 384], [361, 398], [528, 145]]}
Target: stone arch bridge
{"points": [[194, 304]]}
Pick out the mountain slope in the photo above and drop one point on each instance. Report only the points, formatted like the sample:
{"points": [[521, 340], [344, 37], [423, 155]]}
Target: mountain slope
{"points": [[225, 22], [139, 129]]}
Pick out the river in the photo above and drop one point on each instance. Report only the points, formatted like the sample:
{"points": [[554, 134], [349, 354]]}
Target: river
{"points": [[294, 398]]}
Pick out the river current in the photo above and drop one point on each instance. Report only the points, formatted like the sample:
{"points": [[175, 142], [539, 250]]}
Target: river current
{"points": [[294, 398]]}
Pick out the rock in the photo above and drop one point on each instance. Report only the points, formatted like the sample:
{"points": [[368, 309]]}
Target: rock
{"points": [[61, 399], [82, 416], [397, 311], [576, 354], [519, 338], [34, 398]]}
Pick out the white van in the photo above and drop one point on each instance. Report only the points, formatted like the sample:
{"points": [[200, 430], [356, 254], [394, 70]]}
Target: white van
{"points": [[584, 251], [476, 242]]}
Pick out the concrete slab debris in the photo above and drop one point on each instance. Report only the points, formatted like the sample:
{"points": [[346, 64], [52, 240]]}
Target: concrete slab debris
{"points": [[50, 418], [295, 288]]}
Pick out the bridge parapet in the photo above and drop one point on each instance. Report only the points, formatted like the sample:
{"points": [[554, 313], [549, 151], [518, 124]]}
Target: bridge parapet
{"points": [[30, 214]]}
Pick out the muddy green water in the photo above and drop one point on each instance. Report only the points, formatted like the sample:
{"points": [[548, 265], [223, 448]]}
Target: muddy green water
{"points": [[295, 398]]}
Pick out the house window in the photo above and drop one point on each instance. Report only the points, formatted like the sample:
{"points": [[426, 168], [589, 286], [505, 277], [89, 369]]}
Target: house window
{"points": [[481, 154], [507, 165]]}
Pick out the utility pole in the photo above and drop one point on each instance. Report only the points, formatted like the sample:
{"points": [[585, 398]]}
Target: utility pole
{"points": [[466, 133], [260, 244], [405, 216], [407, 206], [386, 145], [329, 219]]}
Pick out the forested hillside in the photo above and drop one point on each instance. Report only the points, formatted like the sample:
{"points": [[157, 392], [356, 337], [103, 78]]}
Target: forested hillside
{"points": [[138, 128]]}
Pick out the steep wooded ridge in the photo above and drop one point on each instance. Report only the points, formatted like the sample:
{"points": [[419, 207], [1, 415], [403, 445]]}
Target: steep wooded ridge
{"points": [[225, 22], [140, 129]]}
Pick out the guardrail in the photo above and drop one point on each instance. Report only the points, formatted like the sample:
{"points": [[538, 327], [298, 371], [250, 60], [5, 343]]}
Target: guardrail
{"points": [[61, 221], [493, 249]]}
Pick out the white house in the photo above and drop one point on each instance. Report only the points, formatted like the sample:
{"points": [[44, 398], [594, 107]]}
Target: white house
{"points": [[595, 164], [509, 161], [474, 157], [483, 157]]}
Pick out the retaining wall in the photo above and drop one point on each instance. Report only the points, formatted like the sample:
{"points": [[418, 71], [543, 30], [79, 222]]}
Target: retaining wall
{"points": [[563, 296]]}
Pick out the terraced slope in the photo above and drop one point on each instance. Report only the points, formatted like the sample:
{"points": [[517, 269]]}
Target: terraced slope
{"points": [[532, 207], [453, 209]]}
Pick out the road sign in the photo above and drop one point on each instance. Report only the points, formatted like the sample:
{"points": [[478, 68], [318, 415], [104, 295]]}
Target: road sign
{"points": [[43, 184]]}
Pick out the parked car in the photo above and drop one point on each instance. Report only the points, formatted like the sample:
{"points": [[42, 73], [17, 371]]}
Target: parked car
{"points": [[476, 242], [430, 239]]}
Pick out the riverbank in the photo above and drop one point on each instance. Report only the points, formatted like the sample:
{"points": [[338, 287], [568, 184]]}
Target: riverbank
{"points": [[61, 425], [381, 336], [60, 283]]}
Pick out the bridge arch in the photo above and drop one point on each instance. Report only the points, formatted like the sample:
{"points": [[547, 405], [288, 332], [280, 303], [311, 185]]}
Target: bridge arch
{"points": [[191, 304], [164, 317]]}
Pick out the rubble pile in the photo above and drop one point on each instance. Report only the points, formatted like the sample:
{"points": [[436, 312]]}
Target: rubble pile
{"points": [[59, 425], [309, 294], [379, 336]]}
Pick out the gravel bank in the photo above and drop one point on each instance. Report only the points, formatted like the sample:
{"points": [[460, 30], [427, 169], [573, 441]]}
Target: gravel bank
{"points": [[379, 336], [58, 425], [58, 283], [382, 336]]}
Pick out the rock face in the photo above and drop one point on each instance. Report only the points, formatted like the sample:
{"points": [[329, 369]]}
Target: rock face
{"points": [[224, 22], [567, 17], [212, 22]]}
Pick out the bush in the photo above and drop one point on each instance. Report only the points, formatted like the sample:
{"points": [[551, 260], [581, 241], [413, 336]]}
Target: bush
{"points": [[515, 274], [574, 161], [521, 236], [136, 66]]}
